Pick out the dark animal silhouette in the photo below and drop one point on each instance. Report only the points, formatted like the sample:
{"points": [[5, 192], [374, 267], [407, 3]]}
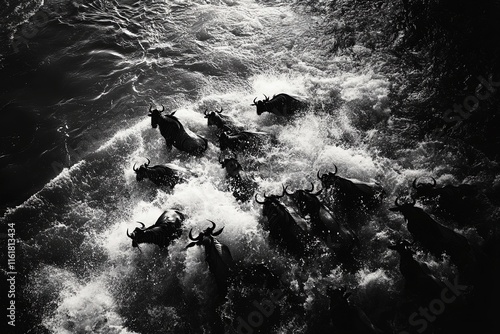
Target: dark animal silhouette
{"points": [[244, 141], [435, 237], [162, 175], [351, 191], [324, 223], [419, 280], [283, 228], [223, 122], [240, 184], [460, 202], [166, 229], [176, 135], [217, 255], [280, 105]]}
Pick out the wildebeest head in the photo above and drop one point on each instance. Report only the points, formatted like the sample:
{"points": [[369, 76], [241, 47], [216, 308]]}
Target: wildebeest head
{"points": [[167, 225], [424, 189], [155, 115], [261, 105], [271, 198], [406, 208], [305, 199], [205, 238], [140, 173], [232, 166], [213, 117], [329, 179], [137, 234], [169, 119], [224, 140]]}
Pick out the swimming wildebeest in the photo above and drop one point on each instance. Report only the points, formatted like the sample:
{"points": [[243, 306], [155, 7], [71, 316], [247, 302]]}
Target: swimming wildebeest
{"points": [[352, 191], [283, 228], [162, 175], [240, 184], [217, 255], [324, 224], [222, 121], [166, 229], [175, 134], [280, 105]]}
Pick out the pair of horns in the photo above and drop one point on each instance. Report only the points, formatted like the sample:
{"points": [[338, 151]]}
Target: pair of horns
{"points": [[142, 227], [417, 185], [271, 196], [151, 107], [209, 231], [334, 173], [310, 191], [217, 111], [255, 103]]}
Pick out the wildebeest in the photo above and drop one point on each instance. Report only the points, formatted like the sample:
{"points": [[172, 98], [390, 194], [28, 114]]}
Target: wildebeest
{"points": [[217, 255], [162, 175], [175, 134], [419, 280], [244, 141], [240, 184], [166, 229], [280, 105], [350, 191], [324, 223], [433, 236], [347, 318], [458, 201], [282, 226], [223, 122]]}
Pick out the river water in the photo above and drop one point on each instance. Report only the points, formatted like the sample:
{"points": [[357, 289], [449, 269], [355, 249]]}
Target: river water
{"points": [[79, 88]]}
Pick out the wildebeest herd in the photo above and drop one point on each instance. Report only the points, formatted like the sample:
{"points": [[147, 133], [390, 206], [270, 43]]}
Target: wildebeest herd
{"points": [[323, 217]]}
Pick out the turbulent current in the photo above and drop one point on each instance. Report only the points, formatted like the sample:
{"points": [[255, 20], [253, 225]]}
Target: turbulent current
{"points": [[98, 66]]}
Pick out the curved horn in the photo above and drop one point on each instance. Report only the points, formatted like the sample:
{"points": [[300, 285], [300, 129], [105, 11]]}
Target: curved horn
{"points": [[312, 188], [254, 104], [205, 112], [213, 226], [256, 200], [433, 181], [267, 99], [191, 236], [414, 184], [289, 194], [219, 111], [150, 107], [334, 173], [128, 235], [143, 226], [217, 232], [149, 161], [396, 202], [317, 192], [162, 108], [172, 114], [282, 191], [319, 177], [135, 170]]}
